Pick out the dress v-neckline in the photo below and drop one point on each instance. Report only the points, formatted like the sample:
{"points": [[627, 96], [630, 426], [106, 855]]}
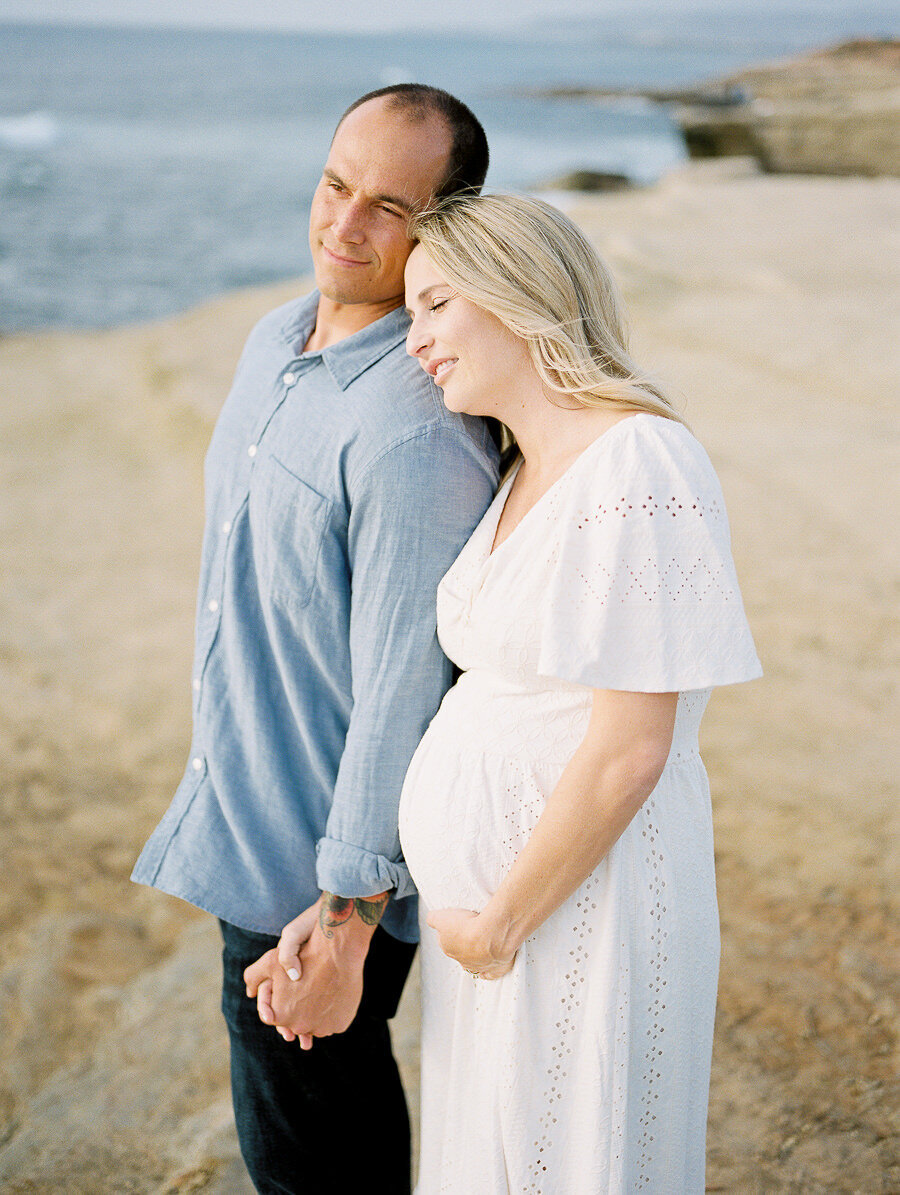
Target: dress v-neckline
{"points": [[493, 546]]}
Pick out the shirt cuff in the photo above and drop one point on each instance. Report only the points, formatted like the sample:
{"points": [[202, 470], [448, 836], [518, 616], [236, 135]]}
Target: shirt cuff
{"points": [[348, 870]]}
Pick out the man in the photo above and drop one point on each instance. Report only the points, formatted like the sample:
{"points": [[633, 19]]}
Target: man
{"points": [[339, 490]]}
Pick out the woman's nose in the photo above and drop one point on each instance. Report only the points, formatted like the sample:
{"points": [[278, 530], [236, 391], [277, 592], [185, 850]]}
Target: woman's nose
{"points": [[416, 340]]}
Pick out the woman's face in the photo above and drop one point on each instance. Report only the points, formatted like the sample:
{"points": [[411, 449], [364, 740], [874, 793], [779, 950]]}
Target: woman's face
{"points": [[476, 360]]}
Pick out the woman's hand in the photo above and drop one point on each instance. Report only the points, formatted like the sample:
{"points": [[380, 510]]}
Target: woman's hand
{"points": [[294, 936], [465, 937]]}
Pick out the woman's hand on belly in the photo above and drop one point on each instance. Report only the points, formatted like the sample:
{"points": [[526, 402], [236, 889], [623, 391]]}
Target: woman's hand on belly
{"points": [[465, 937]]}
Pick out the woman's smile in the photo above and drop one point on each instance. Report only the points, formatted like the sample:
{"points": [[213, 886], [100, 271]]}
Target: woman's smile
{"points": [[442, 369]]}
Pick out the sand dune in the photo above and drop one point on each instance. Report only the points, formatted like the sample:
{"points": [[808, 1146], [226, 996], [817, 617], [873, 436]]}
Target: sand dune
{"points": [[768, 302]]}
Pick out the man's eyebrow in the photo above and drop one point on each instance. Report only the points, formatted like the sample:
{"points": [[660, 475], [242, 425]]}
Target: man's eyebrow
{"points": [[395, 200]]}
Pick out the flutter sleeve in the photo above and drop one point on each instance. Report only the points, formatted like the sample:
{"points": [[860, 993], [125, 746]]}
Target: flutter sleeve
{"points": [[643, 593]]}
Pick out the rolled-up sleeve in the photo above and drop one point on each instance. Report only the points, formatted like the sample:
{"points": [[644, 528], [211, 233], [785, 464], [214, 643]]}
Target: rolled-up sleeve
{"points": [[412, 511]]}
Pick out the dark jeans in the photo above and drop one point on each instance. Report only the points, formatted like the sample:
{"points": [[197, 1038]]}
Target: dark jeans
{"points": [[327, 1121]]}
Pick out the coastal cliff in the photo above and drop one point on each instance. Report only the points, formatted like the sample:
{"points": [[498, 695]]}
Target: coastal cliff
{"points": [[833, 111]]}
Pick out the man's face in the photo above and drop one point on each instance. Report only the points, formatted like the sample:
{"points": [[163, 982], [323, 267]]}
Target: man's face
{"points": [[381, 167]]}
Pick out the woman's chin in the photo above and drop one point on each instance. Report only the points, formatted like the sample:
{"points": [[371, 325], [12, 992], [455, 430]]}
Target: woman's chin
{"points": [[454, 405], [459, 405]]}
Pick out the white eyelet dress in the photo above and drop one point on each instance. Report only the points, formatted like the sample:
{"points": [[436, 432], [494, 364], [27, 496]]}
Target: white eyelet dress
{"points": [[586, 1068]]}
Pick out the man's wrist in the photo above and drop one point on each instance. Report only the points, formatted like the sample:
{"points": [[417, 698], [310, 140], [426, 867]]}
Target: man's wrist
{"points": [[348, 922]]}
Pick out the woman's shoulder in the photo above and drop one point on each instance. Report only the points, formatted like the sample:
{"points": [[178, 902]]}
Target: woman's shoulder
{"points": [[647, 449], [646, 472], [648, 437]]}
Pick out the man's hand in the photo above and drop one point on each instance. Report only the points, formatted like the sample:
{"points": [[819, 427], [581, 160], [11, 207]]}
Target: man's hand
{"points": [[328, 960]]}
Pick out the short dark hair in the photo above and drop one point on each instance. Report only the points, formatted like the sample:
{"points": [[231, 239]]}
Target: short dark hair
{"points": [[468, 164]]}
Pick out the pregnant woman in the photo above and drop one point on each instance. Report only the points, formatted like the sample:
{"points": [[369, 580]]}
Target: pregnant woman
{"points": [[556, 816]]}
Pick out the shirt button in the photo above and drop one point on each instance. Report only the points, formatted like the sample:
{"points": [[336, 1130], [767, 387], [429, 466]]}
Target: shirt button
{"points": [[289, 379], [226, 527], [251, 451], [196, 683], [212, 605], [197, 763]]}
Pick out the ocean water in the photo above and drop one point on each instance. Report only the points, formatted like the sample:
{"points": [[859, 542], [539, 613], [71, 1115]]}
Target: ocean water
{"points": [[143, 170]]}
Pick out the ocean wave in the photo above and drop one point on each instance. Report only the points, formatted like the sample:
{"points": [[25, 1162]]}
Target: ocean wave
{"points": [[34, 130]]}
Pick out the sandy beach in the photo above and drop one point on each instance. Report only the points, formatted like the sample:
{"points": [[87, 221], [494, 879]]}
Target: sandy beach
{"points": [[769, 302]]}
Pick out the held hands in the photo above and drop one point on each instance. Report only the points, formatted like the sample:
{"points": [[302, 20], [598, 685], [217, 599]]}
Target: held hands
{"points": [[471, 941], [272, 990], [311, 985], [261, 976]]}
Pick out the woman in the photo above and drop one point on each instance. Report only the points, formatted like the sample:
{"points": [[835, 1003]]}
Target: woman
{"points": [[556, 815]]}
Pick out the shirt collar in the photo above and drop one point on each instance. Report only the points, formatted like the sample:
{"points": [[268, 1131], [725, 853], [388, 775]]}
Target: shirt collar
{"points": [[353, 355]]}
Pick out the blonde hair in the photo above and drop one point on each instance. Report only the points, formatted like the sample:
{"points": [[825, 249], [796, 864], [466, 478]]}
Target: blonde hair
{"points": [[531, 267]]}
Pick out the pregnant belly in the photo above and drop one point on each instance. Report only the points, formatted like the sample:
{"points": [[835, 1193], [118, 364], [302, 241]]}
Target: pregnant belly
{"points": [[479, 781]]}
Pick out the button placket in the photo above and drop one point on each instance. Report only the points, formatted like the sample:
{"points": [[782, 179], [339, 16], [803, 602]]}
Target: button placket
{"points": [[289, 378]]}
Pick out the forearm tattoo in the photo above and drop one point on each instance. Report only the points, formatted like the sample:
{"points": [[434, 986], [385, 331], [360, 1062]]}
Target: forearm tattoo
{"points": [[336, 911]]}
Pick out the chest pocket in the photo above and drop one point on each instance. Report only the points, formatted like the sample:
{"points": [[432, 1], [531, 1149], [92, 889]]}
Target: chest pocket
{"points": [[288, 520]]}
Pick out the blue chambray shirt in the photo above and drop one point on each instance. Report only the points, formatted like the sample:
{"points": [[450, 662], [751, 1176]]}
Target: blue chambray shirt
{"points": [[339, 490]]}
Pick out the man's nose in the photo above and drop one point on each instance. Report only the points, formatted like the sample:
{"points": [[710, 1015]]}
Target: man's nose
{"points": [[347, 224]]}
